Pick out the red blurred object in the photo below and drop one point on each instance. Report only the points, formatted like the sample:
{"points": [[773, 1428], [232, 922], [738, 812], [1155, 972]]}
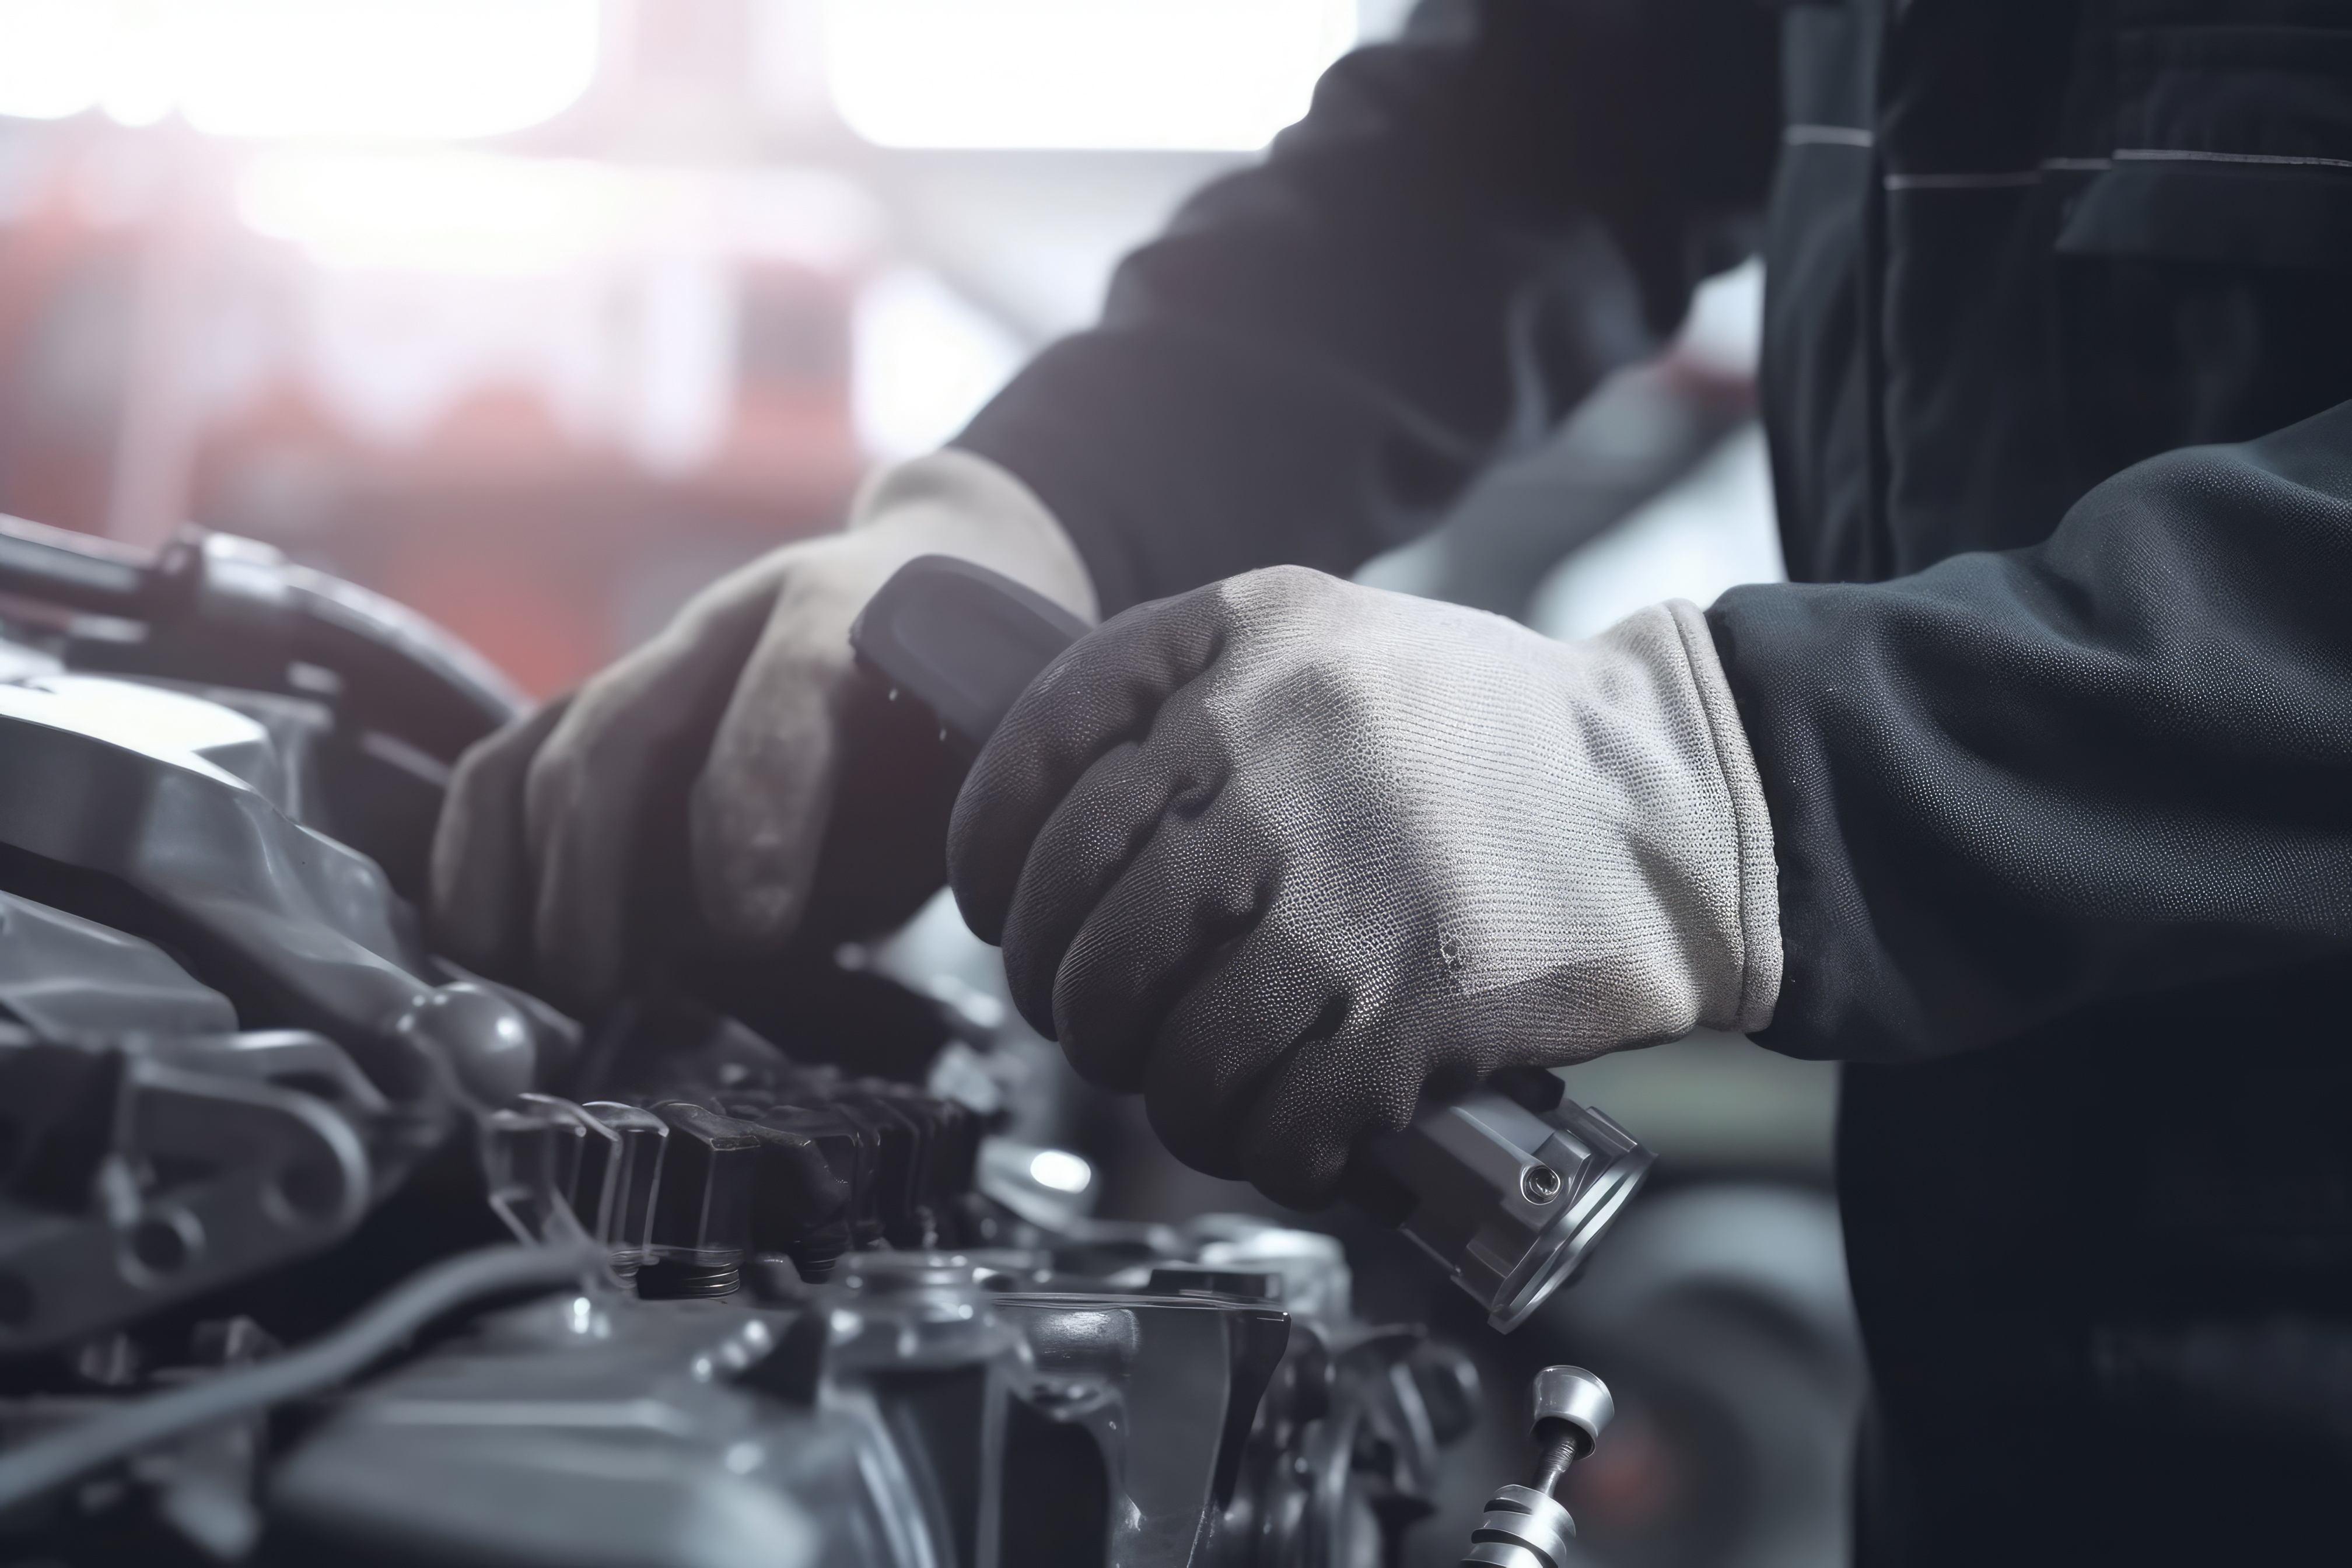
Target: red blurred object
{"points": [[547, 455]]}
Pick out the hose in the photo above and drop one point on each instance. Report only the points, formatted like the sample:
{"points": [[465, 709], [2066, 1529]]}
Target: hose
{"points": [[74, 1451]]}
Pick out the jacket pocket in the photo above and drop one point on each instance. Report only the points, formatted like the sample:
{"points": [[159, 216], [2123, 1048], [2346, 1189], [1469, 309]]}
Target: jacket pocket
{"points": [[2220, 213], [2233, 146]]}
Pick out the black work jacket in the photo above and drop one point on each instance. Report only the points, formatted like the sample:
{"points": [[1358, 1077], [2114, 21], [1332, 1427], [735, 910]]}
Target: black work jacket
{"points": [[2056, 721]]}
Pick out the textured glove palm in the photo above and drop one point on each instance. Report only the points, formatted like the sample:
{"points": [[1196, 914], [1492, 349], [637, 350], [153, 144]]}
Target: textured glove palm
{"points": [[1285, 854]]}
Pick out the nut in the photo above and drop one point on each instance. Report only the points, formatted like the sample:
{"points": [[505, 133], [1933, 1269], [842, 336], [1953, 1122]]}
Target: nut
{"points": [[1572, 1394]]}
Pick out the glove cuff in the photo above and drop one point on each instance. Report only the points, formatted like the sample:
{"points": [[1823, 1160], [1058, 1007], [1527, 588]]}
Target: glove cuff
{"points": [[954, 502], [1759, 870]]}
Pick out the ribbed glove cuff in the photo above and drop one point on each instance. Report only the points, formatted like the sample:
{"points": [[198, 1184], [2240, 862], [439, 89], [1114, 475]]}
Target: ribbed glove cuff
{"points": [[954, 502], [1758, 986]]}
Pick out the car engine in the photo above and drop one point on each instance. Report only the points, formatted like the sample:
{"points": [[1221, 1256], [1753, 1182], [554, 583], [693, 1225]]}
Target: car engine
{"points": [[315, 1249]]}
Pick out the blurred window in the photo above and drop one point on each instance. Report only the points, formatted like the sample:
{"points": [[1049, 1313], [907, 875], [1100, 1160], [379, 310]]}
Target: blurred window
{"points": [[440, 68], [53, 57], [924, 359], [436, 210], [1210, 74]]}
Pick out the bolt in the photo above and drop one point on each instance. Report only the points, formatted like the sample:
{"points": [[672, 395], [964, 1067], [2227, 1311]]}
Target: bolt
{"points": [[1571, 1408]]}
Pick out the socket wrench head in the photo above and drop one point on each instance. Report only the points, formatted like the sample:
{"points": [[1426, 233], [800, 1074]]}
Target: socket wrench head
{"points": [[1509, 1200]]}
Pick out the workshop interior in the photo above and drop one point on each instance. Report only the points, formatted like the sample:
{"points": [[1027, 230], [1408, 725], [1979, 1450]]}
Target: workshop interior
{"points": [[372, 371]]}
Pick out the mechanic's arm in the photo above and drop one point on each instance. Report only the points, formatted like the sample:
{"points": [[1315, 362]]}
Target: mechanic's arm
{"points": [[1469, 230], [1464, 234], [1284, 853], [2115, 764]]}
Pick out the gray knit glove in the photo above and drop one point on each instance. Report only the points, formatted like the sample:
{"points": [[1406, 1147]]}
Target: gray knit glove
{"points": [[1285, 854], [738, 779]]}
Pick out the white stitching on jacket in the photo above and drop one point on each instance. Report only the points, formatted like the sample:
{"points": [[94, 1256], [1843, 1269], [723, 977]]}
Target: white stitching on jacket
{"points": [[2178, 155], [1827, 136], [1855, 136], [1963, 182], [2002, 180]]}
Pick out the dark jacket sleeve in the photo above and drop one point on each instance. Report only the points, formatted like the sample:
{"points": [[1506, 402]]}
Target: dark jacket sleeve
{"points": [[1464, 234], [2015, 786]]}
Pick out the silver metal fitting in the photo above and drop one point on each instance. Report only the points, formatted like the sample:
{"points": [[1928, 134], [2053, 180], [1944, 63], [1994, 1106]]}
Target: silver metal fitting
{"points": [[1572, 1394], [1526, 1527], [1509, 1200], [1522, 1529]]}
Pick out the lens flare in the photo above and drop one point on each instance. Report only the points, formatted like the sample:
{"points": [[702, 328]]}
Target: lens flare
{"points": [[1108, 74], [1060, 1169], [377, 68]]}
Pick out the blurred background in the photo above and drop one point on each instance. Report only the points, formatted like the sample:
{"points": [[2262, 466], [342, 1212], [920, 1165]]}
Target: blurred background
{"points": [[539, 314]]}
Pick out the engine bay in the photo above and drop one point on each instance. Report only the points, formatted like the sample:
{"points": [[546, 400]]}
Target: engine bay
{"points": [[314, 1248]]}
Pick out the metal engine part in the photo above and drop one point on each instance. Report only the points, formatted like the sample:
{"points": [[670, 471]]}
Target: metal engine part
{"points": [[978, 1409], [162, 1134], [1508, 1189], [1526, 1526], [240, 1101]]}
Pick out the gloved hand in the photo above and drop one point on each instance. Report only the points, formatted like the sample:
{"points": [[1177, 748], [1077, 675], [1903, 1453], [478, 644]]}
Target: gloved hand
{"points": [[1284, 853], [691, 792]]}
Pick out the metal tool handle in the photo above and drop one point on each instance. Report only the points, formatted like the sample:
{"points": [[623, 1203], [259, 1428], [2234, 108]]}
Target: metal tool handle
{"points": [[1508, 1191]]}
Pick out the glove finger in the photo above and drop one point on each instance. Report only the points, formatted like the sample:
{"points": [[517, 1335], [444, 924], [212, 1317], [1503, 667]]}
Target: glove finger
{"points": [[760, 807], [1244, 1019], [605, 803], [1195, 892], [1095, 832], [1337, 1088], [481, 912], [1104, 690]]}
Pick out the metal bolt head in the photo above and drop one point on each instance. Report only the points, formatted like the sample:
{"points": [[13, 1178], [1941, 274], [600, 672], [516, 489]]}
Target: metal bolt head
{"points": [[1572, 1394], [1540, 1183]]}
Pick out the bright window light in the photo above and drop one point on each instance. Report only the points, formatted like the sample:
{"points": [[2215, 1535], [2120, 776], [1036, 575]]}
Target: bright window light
{"points": [[923, 360], [1211, 75], [441, 210], [145, 60], [436, 69], [448, 209], [53, 56], [388, 68]]}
